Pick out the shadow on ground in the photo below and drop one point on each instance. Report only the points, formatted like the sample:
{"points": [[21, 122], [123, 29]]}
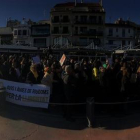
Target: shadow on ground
{"points": [[42, 117], [110, 121]]}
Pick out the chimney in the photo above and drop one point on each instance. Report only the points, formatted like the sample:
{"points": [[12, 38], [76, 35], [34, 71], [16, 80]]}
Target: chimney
{"points": [[81, 1], [75, 2]]}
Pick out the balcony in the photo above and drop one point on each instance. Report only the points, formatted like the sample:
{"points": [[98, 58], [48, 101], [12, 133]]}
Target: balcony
{"points": [[60, 32], [56, 32], [55, 21], [43, 33], [99, 33], [65, 20], [110, 35], [80, 22], [65, 32], [88, 33], [88, 22], [39, 45]]}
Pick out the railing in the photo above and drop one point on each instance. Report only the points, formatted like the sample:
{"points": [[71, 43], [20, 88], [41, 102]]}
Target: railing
{"points": [[55, 21], [88, 22], [56, 32], [60, 32], [65, 32], [65, 21], [88, 33], [61, 21]]}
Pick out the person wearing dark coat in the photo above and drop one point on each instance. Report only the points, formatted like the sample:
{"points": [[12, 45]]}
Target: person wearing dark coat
{"points": [[13, 76], [70, 84]]}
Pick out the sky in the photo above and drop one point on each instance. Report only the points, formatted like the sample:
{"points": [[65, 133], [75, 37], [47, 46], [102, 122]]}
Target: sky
{"points": [[40, 9]]}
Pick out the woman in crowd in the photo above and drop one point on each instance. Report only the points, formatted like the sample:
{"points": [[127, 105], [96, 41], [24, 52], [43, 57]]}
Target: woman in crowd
{"points": [[33, 77], [48, 78], [125, 79]]}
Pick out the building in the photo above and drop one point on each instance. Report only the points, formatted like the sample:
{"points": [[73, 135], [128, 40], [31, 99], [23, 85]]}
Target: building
{"points": [[78, 24], [21, 34], [40, 35], [120, 34], [6, 36], [138, 36]]}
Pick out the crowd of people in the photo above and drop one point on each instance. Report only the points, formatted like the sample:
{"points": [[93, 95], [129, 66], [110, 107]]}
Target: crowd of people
{"points": [[75, 81]]}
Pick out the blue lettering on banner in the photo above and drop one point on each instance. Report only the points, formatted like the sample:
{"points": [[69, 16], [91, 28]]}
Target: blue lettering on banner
{"points": [[21, 90], [10, 87], [34, 91], [14, 96]]}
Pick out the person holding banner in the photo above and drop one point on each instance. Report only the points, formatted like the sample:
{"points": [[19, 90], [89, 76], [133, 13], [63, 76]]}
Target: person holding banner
{"points": [[33, 76]]}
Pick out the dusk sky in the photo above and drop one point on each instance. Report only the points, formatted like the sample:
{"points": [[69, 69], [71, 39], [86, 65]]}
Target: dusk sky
{"points": [[34, 9]]}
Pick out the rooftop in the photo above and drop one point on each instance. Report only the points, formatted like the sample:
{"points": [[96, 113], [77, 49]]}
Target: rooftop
{"points": [[72, 4]]}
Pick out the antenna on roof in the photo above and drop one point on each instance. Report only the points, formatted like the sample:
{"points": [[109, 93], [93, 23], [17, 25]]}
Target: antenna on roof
{"points": [[75, 2], [101, 2]]}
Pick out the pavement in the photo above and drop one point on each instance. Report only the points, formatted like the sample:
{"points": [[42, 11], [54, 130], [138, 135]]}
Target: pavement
{"points": [[22, 123]]}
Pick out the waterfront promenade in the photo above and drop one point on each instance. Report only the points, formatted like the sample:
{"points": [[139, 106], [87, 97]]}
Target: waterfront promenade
{"points": [[21, 123]]}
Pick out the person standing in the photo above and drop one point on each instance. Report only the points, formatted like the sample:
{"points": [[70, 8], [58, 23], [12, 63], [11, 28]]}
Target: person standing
{"points": [[47, 78], [33, 76], [69, 91]]}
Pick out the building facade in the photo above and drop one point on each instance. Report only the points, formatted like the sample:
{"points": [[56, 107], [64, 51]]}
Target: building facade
{"points": [[40, 35], [120, 34], [22, 34], [78, 24]]}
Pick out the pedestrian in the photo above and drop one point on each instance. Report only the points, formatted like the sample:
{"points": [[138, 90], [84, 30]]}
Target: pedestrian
{"points": [[47, 78], [69, 91]]}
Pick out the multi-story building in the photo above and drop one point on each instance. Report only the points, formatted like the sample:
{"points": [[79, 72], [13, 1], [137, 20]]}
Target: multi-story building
{"points": [[78, 24], [21, 34], [138, 36], [121, 33], [40, 35]]}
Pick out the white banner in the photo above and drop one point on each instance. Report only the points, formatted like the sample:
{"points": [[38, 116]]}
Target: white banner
{"points": [[27, 95]]}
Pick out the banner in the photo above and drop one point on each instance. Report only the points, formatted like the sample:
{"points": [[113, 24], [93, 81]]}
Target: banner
{"points": [[62, 59], [36, 95]]}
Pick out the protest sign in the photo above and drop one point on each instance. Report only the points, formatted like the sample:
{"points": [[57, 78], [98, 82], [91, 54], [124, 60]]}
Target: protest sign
{"points": [[62, 60], [36, 59], [26, 95]]}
